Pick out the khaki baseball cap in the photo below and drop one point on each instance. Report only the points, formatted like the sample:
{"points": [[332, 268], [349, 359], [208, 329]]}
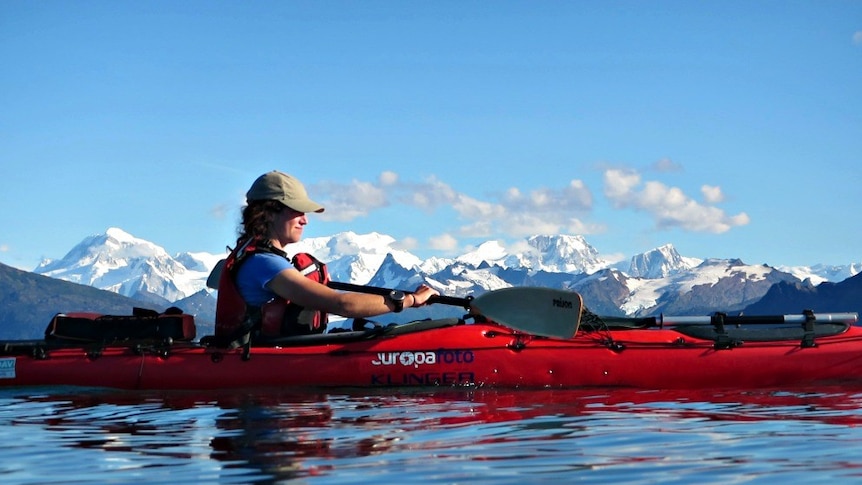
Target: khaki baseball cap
{"points": [[282, 187]]}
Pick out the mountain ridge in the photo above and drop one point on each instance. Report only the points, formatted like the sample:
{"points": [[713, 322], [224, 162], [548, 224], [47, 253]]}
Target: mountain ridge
{"points": [[657, 281], [119, 262]]}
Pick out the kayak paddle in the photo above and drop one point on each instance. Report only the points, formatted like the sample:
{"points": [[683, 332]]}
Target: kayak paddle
{"points": [[538, 311]]}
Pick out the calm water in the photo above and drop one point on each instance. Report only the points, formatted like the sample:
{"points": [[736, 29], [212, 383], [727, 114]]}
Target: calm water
{"points": [[63, 435]]}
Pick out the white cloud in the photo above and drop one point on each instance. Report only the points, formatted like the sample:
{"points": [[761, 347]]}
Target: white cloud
{"points": [[474, 209], [547, 210], [481, 229], [345, 202], [429, 195], [518, 213], [443, 242], [527, 224], [4, 248], [577, 226], [669, 206], [712, 194], [666, 165], [406, 243], [619, 185], [575, 197], [388, 178], [857, 37]]}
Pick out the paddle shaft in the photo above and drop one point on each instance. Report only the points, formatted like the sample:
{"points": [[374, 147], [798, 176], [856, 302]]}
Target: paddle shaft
{"points": [[376, 290], [662, 320], [755, 319]]}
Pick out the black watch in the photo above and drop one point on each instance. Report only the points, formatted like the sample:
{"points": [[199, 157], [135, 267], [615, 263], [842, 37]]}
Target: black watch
{"points": [[397, 298]]}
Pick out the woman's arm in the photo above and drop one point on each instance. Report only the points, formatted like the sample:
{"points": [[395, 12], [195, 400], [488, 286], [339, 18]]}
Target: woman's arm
{"points": [[293, 286]]}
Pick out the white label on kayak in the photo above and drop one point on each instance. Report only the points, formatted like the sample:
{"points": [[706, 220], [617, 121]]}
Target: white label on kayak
{"points": [[7, 368], [414, 359]]}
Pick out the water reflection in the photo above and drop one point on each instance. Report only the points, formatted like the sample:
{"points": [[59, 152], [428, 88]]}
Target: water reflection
{"points": [[445, 435]]}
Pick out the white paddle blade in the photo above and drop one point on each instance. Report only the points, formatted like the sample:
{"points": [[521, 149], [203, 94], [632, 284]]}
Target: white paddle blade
{"points": [[537, 311]]}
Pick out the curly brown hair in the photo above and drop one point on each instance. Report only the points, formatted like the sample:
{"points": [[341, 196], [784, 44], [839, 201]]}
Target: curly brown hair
{"points": [[257, 219]]}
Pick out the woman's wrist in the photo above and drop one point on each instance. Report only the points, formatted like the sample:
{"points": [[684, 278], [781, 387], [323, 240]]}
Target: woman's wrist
{"points": [[413, 304]]}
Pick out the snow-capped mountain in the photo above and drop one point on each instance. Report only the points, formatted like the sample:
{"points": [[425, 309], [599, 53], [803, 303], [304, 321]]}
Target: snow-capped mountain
{"points": [[555, 254], [660, 262], [822, 272], [119, 262], [558, 254], [354, 257], [714, 284], [659, 280]]}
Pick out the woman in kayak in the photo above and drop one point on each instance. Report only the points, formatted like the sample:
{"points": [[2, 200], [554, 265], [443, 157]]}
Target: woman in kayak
{"points": [[290, 293]]}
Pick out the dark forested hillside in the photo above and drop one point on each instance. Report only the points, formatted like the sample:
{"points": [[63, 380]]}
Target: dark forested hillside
{"points": [[28, 302], [786, 298]]}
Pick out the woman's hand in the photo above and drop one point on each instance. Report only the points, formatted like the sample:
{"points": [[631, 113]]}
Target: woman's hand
{"points": [[422, 294]]}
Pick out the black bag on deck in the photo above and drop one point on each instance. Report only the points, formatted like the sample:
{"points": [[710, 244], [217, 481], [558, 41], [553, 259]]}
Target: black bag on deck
{"points": [[142, 325]]}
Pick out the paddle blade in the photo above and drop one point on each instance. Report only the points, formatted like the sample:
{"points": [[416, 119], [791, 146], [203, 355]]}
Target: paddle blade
{"points": [[215, 275], [537, 311]]}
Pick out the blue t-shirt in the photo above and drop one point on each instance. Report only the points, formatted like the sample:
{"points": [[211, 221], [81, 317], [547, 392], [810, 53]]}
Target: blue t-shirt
{"points": [[254, 275]]}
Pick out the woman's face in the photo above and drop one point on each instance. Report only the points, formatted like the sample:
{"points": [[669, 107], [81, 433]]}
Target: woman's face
{"points": [[287, 226]]}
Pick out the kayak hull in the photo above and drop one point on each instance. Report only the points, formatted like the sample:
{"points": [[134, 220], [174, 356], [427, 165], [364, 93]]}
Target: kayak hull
{"points": [[460, 355]]}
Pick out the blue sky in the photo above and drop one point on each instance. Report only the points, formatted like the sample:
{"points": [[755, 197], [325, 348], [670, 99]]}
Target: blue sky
{"points": [[729, 129]]}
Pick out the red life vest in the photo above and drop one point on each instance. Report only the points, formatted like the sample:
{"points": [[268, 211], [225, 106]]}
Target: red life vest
{"points": [[276, 318]]}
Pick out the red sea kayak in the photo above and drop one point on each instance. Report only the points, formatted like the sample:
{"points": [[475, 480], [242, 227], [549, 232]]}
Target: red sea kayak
{"points": [[635, 353]]}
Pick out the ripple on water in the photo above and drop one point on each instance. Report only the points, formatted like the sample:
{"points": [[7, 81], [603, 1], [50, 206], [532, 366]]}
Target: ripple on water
{"points": [[66, 436]]}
